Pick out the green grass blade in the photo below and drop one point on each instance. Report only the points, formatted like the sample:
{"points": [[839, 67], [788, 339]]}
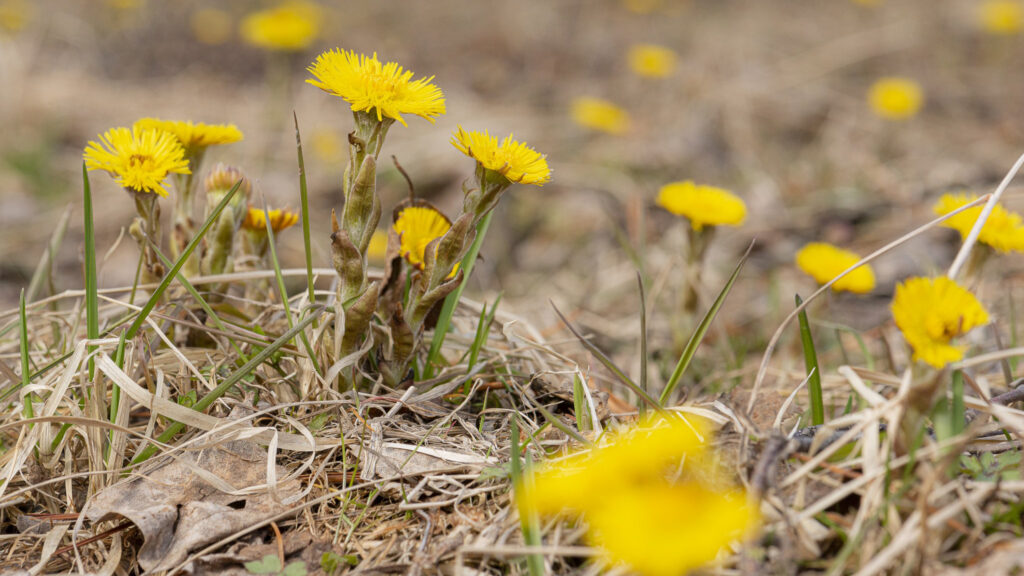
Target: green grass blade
{"points": [[230, 381], [650, 400], [92, 301], [643, 336], [44, 269], [695, 339], [445, 319], [483, 328], [26, 366], [579, 404], [304, 207], [529, 523], [813, 371]]}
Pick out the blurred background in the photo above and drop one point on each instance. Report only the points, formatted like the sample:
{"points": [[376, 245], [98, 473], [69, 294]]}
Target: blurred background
{"points": [[768, 99]]}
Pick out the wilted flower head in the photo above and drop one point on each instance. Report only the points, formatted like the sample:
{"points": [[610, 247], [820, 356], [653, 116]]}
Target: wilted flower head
{"points": [[289, 27], [384, 90], [931, 312], [702, 205], [652, 61], [1001, 17], [823, 262], [640, 510], [1003, 230], [600, 115], [895, 98], [417, 226], [194, 136], [138, 159], [514, 160], [256, 220]]}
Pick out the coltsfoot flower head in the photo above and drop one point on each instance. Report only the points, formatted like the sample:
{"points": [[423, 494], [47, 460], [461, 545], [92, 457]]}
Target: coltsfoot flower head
{"points": [[1003, 231], [512, 159], [417, 226], [256, 220], [652, 61], [138, 159], [823, 262], [223, 178], [385, 90], [601, 115], [289, 27], [194, 136], [632, 496], [1001, 17], [702, 205], [896, 98], [931, 312]]}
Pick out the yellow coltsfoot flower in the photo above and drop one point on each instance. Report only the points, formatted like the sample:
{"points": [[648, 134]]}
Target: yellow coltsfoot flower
{"points": [[896, 98], [601, 115], [652, 61], [385, 90], [256, 219], [514, 160], [288, 27], [702, 205], [417, 226], [139, 159], [930, 312], [1003, 230], [823, 262], [1001, 17], [648, 490], [194, 136]]}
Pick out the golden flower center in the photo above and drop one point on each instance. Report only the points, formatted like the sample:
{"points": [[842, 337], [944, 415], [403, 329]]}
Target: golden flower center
{"points": [[943, 331], [143, 161]]}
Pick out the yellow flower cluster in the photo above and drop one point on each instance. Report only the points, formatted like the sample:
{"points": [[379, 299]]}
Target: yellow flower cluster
{"points": [[1003, 230], [931, 312], [637, 514], [702, 205], [823, 262], [896, 98], [194, 135], [601, 115], [289, 27], [514, 160], [386, 90], [139, 159], [256, 220]]}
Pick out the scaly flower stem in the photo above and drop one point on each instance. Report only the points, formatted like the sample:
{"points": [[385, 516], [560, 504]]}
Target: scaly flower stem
{"points": [[148, 208]]}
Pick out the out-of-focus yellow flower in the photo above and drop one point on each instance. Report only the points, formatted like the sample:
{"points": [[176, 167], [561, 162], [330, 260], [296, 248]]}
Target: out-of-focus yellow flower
{"points": [[641, 509], [514, 160], [702, 205], [387, 90], [1004, 230], [418, 226], [378, 248], [823, 262], [652, 61], [289, 27], [211, 26], [642, 6], [256, 220], [931, 312], [327, 146], [601, 115], [14, 15], [138, 159], [1001, 17], [895, 98], [194, 136]]}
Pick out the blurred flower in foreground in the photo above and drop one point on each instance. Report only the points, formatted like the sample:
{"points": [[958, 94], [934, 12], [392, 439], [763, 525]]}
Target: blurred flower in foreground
{"points": [[1001, 17], [14, 15], [1003, 230], [702, 205], [211, 26], [418, 226], [931, 312], [600, 115], [823, 262], [386, 90], [139, 159], [895, 98], [652, 61], [651, 497], [288, 27]]}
